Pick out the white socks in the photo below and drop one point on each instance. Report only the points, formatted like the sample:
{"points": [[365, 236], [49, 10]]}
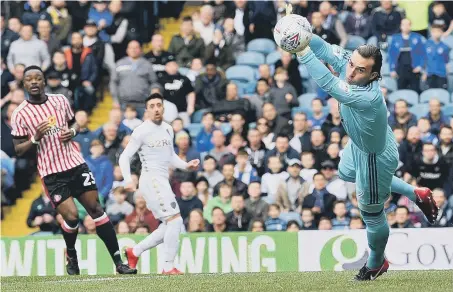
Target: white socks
{"points": [[152, 240], [171, 242]]}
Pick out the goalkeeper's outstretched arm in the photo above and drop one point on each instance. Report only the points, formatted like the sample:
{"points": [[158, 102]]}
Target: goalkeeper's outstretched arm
{"points": [[338, 89], [334, 55]]}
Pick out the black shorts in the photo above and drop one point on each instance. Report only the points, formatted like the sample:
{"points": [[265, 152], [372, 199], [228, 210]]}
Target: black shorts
{"points": [[71, 183]]}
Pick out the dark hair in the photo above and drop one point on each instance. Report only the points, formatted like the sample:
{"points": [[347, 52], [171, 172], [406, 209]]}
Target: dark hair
{"points": [[263, 80], [369, 51], [319, 173], [292, 222], [33, 67], [257, 220], [228, 163], [131, 107], [207, 114], [281, 135], [424, 118], [217, 208], [275, 206], [154, 96], [242, 152], [445, 127], [307, 209], [187, 18], [237, 195], [202, 179], [207, 157], [58, 52], [317, 99], [323, 218], [438, 26], [339, 202], [403, 207]]}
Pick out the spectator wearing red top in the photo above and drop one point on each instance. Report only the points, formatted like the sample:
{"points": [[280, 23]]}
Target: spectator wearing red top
{"points": [[141, 215]]}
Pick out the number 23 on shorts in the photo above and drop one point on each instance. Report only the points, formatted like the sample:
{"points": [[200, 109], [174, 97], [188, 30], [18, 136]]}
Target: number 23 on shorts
{"points": [[89, 179]]}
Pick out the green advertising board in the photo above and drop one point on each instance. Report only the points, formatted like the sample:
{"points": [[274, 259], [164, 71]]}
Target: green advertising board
{"points": [[407, 249], [199, 253]]}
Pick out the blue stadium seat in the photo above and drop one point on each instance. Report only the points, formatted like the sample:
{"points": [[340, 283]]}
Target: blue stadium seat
{"points": [[198, 115], [435, 93], [385, 70], [240, 73], [408, 95], [449, 41], [194, 129], [342, 16], [420, 110], [447, 110], [264, 46], [389, 83], [183, 70], [303, 72], [307, 111], [225, 127], [354, 41], [242, 87], [384, 56], [273, 57], [305, 99], [252, 59]]}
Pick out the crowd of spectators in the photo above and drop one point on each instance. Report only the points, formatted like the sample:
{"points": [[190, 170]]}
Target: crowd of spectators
{"points": [[269, 162]]}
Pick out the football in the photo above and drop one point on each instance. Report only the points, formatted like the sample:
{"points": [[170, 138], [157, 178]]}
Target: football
{"points": [[293, 33]]}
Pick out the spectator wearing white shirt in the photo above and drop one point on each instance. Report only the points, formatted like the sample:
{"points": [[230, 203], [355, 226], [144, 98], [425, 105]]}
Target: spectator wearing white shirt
{"points": [[301, 138], [272, 179], [335, 185], [205, 25], [308, 161]]}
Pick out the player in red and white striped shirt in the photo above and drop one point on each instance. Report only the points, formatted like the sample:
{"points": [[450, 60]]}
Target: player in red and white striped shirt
{"points": [[41, 124]]}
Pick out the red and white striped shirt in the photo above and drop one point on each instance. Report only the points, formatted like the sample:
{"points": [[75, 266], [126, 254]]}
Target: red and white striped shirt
{"points": [[54, 156]]}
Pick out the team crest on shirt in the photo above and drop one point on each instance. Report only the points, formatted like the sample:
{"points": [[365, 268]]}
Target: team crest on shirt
{"points": [[54, 129], [343, 86], [57, 198]]}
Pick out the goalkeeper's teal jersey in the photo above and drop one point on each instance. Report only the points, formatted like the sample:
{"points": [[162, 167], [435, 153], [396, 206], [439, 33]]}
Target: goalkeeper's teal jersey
{"points": [[362, 108]]}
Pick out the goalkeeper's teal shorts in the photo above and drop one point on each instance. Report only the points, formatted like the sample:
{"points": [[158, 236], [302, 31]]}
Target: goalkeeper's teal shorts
{"points": [[372, 173]]}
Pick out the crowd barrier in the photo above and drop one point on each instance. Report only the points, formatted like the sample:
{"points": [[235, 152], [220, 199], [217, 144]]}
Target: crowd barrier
{"points": [[407, 249]]}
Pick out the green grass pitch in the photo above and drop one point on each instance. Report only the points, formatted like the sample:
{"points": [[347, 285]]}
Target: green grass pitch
{"points": [[398, 281]]}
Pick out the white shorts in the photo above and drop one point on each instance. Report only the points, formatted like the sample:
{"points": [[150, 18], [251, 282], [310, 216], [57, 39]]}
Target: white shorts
{"points": [[158, 195]]}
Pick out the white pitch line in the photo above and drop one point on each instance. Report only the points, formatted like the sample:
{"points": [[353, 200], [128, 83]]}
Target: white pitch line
{"points": [[117, 278]]}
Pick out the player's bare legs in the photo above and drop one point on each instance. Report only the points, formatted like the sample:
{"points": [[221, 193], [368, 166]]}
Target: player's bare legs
{"points": [[104, 229], [168, 234], [70, 227]]}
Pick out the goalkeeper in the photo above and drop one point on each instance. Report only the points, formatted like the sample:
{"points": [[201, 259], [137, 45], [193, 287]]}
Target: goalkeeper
{"points": [[371, 156]]}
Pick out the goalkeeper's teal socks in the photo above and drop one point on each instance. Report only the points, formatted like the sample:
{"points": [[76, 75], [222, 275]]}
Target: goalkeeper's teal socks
{"points": [[377, 233], [403, 188]]}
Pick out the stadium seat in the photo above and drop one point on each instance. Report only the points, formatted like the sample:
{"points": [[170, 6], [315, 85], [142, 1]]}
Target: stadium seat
{"points": [[385, 70], [342, 16], [264, 46], [435, 93], [305, 99], [252, 125], [273, 57], [451, 54], [198, 115], [447, 110], [408, 95], [420, 110], [183, 70], [354, 41], [308, 111], [225, 127], [194, 129], [252, 59], [303, 72], [245, 87], [384, 56], [240, 73], [449, 41], [389, 83]]}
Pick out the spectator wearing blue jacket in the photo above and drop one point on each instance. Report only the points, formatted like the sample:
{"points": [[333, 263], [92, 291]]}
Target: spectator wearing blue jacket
{"points": [[407, 57], [435, 116], [33, 12], [437, 57], [103, 18], [101, 167], [85, 136], [204, 143], [282, 150], [426, 136], [274, 222]]}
